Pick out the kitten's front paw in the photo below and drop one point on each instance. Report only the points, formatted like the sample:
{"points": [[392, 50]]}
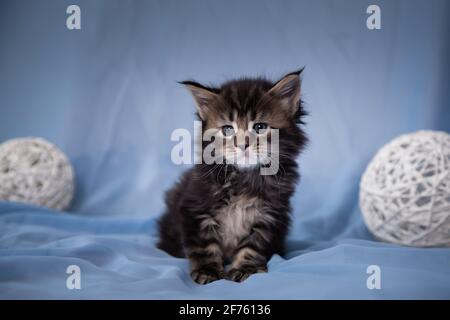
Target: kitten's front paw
{"points": [[206, 275], [243, 273]]}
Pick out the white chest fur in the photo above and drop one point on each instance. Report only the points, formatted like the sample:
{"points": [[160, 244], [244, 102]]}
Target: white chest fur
{"points": [[236, 220]]}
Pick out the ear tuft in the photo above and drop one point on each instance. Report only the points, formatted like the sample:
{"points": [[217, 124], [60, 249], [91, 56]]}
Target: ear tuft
{"points": [[204, 97], [287, 90], [298, 72]]}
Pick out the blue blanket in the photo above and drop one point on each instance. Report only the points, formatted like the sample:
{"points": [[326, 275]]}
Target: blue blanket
{"points": [[107, 96], [118, 260]]}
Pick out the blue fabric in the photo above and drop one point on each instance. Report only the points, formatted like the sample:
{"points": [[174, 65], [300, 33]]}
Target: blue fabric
{"points": [[107, 96], [118, 259]]}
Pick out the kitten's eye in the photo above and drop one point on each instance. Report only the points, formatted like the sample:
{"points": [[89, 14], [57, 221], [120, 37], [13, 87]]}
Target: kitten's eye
{"points": [[260, 127], [227, 131]]}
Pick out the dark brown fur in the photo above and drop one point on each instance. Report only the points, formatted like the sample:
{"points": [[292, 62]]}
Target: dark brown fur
{"points": [[220, 213]]}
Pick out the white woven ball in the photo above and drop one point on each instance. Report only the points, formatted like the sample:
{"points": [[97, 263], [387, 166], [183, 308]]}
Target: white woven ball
{"points": [[34, 171], [405, 190]]}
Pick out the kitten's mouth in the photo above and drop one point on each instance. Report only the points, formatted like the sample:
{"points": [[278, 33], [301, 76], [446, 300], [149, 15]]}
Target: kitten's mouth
{"points": [[247, 159]]}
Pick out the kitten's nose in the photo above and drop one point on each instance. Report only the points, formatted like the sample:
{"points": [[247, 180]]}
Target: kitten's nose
{"points": [[244, 145]]}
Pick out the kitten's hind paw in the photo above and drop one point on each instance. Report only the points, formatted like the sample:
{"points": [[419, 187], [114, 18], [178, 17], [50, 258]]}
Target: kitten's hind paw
{"points": [[204, 276], [241, 274]]}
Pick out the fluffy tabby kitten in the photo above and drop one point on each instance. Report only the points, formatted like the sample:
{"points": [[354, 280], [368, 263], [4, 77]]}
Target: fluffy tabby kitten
{"points": [[222, 213]]}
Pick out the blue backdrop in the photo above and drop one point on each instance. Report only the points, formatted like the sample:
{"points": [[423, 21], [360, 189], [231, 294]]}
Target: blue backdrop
{"points": [[107, 96]]}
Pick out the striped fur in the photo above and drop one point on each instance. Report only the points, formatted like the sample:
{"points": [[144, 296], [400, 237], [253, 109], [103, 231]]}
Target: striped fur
{"points": [[221, 213]]}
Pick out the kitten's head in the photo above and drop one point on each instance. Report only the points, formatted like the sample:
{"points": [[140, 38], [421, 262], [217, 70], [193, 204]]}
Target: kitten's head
{"points": [[253, 119]]}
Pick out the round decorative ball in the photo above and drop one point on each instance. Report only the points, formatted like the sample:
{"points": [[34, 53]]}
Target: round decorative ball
{"points": [[405, 190], [34, 171]]}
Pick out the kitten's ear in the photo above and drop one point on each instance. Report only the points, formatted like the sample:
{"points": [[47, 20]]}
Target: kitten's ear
{"points": [[287, 90], [205, 98]]}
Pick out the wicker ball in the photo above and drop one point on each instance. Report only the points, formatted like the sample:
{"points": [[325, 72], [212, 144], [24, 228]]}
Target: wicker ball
{"points": [[34, 171], [405, 190]]}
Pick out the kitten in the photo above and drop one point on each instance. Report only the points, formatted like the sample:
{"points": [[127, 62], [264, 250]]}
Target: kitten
{"points": [[230, 213]]}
